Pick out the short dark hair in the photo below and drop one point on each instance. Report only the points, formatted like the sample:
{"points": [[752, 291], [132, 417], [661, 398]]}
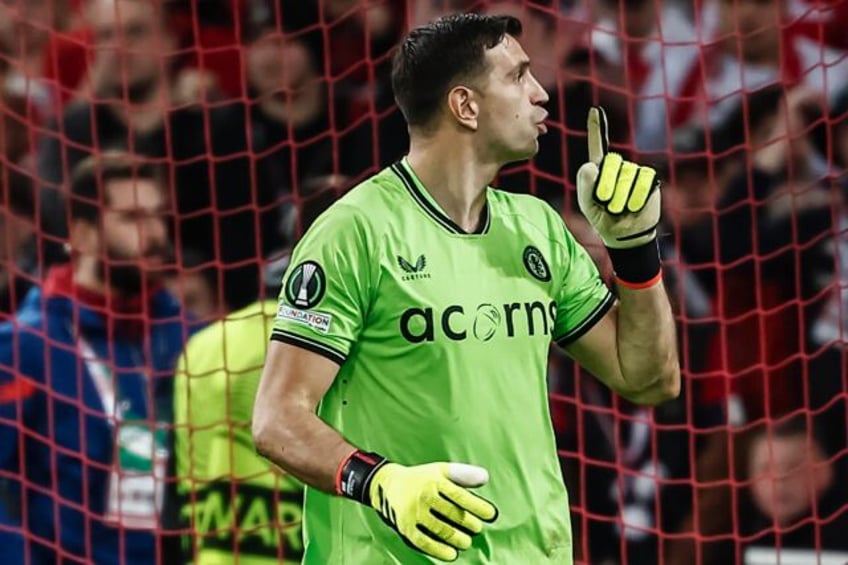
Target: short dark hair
{"points": [[90, 176], [434, 56]]}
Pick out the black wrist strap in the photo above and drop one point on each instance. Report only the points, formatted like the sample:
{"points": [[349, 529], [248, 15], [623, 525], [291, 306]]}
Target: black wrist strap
{"points": [[636, 265], [353, 479]]}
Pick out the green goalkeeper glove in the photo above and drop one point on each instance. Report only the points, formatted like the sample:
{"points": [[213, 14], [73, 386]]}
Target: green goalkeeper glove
{"points": [[621, 200], [428, 505]]}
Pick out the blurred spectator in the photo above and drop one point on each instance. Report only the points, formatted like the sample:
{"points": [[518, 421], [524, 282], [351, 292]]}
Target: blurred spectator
{"points": [[653, 42], [631, 486], [102, 319], [751, 47], [205, 34], [209, 36], [26, 33], [293, 125], [755, 235], [351, 42], [792, 481], [19, 93], [795, 499], [16, 135], [697, 176], [291, 111], [358, 36], [753, 226], [362, 34], [126, 106], [773, 243], [222, 210], [17, 222], [269, 146]]}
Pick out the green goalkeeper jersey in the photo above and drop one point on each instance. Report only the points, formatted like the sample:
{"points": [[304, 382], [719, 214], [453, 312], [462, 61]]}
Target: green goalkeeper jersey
{"points": [[442, 338], [240, 507]]}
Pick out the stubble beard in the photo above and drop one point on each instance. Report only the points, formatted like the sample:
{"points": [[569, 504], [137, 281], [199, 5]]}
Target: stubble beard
{"points": [[125, 275]]}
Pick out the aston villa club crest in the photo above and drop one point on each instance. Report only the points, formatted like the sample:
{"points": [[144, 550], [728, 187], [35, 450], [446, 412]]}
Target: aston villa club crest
{"points": [[535, 264]]}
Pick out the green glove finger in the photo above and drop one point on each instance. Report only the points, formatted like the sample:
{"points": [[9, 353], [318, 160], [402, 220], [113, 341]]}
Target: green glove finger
{"points": [[605, 185], [480, 507], [446, 532], [597, 134], [427, 544], [462, 518], [623, 185], [642, 189]]}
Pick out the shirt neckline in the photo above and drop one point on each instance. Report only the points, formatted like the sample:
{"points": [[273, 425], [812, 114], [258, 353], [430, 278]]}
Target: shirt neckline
{"points": [[423, 198]]}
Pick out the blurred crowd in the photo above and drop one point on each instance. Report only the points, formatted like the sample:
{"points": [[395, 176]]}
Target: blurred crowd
{"points": [[260, 113]]}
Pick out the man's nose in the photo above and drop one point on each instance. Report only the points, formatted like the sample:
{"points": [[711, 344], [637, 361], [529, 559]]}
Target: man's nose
{"points": [[155, 232], [540, 95]]}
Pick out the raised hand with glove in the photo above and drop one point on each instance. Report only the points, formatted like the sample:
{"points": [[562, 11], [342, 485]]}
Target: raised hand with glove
{"points": [[429, 505], [621, 200]]}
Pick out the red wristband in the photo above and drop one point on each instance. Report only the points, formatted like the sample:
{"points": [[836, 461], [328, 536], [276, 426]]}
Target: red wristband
{"points": [[353, 477], [641, 285], [340, 469]]}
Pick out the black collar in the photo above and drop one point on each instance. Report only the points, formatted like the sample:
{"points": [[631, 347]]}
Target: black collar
{"points": [[400, 169]]}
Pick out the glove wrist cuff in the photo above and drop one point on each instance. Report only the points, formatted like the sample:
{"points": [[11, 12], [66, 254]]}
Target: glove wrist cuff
{"points": [[353, 478], [637, 267]]}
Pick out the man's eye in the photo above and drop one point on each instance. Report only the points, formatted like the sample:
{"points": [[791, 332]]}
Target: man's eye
{"points": [[104, 36], [136, 32], [521, 73]]}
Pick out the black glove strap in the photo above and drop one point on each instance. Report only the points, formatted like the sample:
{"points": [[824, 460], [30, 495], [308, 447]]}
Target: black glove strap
{"points": [[353, 478], [637, 267]]}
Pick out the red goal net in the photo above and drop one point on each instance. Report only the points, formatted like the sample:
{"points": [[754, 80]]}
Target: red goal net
{"points": [[257, 114]]}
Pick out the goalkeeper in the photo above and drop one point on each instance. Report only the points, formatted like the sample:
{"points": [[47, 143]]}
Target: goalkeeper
{"points": [[406, 381]]}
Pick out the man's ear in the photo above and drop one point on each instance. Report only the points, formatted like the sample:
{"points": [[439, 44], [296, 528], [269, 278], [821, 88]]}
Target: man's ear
{"points": [[464, 106], [84, 237]]}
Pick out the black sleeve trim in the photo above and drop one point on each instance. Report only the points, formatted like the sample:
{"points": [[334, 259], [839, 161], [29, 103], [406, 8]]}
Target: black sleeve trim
{"points": [[588, 322], [322, 349]]}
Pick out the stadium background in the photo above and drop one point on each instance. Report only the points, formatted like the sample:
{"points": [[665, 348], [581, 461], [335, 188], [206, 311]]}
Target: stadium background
{"points": [[265, 111]]}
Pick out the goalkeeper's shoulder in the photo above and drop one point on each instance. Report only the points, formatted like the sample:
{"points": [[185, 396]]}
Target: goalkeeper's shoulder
{"points": [[362, 211]]}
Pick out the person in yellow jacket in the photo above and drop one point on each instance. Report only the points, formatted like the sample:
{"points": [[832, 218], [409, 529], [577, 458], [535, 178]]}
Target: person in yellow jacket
{"points": [[239, 506]]}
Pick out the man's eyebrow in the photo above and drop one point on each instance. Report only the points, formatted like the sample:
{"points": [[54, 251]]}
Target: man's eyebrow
{"points": [[520, 68], [165, 207]]}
